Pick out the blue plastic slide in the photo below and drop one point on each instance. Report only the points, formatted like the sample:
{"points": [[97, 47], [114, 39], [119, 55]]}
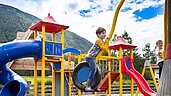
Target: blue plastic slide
{"points": [[14, 85]]}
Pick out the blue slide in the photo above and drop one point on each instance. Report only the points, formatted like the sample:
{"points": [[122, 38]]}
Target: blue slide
{"points": [[15, 85]]}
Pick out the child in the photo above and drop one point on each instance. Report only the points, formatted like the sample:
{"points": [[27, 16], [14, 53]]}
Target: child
{"points": [[90, 57], [160, 55]]}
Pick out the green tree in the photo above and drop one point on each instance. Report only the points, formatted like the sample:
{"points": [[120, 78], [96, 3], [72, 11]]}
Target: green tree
{"points": [[148, 53]]}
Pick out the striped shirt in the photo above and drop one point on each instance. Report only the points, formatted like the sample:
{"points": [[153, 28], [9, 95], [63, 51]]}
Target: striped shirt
{"points": [[95, 49]]}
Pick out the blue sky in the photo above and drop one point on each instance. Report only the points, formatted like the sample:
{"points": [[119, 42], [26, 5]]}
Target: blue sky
{"points": [[148, 13], [142, 19]]}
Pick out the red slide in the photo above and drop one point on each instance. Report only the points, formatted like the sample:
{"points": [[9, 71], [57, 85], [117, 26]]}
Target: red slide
{"points": [[128, 68]]}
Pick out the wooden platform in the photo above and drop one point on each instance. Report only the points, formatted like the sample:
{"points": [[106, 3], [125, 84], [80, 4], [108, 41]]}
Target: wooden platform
{"points": [[28, 64], [103, 86]]}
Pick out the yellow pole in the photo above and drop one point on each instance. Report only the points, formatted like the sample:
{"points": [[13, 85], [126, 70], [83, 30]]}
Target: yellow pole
{"points": [[35, 78], [109, 74], [154, 79], [53, 82], [165, 27], [132, 82], [69, 80], [120, 76], [35, 33], [43, 61], [62, 64], [53, 72], [115, 19], [79, 60], [113, 27], [35, 70]]}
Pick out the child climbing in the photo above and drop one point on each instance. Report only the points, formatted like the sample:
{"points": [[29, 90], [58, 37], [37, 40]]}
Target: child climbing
{"points": [[90, 57]]}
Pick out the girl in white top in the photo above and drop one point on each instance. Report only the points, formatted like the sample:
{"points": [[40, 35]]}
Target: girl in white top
{"points": [[160, 55]]}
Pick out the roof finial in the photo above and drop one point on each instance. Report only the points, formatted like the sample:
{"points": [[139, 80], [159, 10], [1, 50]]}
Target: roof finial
{"points": [[48, 14]]}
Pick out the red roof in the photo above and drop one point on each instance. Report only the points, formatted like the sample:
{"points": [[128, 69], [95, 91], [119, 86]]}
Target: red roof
{"points": [[120, 42], [50, 25], [154, 66]]}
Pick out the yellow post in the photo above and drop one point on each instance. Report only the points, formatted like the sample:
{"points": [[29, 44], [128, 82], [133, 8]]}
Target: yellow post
{"points": [[62, 64], [35, 78], [132, 82], [35, 70], [35, 33], [79, 60], [53, 82], [165, 27], [115, 19], [154, 79], [109, 74], [53, 72], [113, 27], [69, 79], [43, 62], [120, 76]]}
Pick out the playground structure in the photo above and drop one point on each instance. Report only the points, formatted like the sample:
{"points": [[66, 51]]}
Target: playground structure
{"points": [[114, 71], [52, 51]]}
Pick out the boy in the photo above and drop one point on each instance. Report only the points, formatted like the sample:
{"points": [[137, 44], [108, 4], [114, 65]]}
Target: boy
{"points": [[160, 55], [90, 57]]}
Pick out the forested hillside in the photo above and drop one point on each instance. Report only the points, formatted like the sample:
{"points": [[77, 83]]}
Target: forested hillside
{"points": [[13, 20]]}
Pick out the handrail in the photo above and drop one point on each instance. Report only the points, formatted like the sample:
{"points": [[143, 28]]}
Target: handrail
{"points": [[114, 20], [106, 43]]}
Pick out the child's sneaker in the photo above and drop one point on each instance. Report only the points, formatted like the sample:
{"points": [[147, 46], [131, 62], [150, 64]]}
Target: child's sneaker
{"points": [[88, 89], [97, 90]]}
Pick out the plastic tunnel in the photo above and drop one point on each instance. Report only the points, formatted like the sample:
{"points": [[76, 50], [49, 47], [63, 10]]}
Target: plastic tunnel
{"points": [[15, 85]]}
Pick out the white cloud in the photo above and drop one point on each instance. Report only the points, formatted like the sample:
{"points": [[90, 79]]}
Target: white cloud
{"points": [[66, 12]]}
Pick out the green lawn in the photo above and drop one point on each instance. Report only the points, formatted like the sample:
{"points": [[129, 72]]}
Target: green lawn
{"points": [[48, 80], [31, 78]]}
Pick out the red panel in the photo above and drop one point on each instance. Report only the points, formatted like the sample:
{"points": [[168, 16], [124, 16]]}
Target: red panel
{"points": [[103, 86], [168, 52]]}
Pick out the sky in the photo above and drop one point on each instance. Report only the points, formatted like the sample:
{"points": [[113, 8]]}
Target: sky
{"points": [[142, 19]]}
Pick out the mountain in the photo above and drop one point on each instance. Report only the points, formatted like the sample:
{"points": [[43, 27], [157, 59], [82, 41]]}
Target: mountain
{"points": [[13, 20]]}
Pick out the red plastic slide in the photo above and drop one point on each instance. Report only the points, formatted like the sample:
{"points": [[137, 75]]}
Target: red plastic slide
{"points": [[128, 68]]}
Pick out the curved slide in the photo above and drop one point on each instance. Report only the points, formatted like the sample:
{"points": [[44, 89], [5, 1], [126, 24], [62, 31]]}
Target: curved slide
{"points": [[128, 68], [14, 85]]}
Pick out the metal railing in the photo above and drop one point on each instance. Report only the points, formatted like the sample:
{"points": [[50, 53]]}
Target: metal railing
{"points": [[115, 90]]}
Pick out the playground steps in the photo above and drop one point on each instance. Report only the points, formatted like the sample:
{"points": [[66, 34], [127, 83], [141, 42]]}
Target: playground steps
{"points": [[103, 86]]}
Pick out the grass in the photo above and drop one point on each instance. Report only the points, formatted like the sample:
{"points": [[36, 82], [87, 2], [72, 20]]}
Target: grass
{"points": [[31, 78], [48, 80]]}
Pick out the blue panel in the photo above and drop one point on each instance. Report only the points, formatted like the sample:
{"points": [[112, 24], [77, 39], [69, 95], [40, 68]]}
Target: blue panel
{"points": [[83, 74], [48, 48], [58, 49], [128, 63], [74, 50], [58, 85], [57, 66]]}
